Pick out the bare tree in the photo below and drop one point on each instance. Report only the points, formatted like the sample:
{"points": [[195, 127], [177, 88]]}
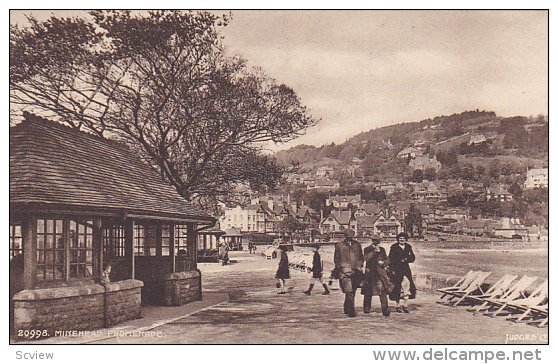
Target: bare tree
{"points": [[163, 82]]}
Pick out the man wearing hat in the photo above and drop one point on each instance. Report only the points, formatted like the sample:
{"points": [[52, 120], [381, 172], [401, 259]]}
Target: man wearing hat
{"points": [[400, 255], [349, 260], [376, 280]]}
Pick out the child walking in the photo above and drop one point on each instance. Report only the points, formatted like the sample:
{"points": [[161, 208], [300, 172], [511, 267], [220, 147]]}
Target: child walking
{"points": [[317, 272]]}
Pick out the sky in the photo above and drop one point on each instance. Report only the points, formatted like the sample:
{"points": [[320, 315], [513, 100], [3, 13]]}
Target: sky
{"points": [[359, 70]]}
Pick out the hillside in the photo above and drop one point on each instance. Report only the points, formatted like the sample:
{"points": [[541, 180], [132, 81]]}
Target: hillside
{"points": [[523, 137]]}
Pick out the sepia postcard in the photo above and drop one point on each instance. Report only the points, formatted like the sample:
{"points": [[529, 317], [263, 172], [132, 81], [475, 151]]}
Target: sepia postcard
{"points": [[279, 177]]}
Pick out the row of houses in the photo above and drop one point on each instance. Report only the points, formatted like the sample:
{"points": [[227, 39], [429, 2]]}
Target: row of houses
{"points": [[385, 223], [265, 215]]}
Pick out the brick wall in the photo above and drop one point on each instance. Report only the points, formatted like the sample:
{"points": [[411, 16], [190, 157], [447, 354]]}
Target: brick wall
{"points": [[77, 308], [181, 288]]}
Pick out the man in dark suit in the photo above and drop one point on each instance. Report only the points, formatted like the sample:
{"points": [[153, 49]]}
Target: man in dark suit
{"points": [[376, 280], [400, 255], [349, 260]]}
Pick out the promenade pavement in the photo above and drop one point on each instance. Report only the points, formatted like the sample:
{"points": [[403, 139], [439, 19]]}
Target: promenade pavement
{"points": [[256, 314]]}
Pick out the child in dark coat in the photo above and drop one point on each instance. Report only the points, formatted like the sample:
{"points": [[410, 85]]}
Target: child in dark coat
{"points": [[317, 272]]}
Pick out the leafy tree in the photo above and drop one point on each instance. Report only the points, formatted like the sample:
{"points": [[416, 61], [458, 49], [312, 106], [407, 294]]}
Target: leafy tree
{"points": [[516, 190], [430, 174], [291, 225], [163, 83], [417, 175], [413, 221]]}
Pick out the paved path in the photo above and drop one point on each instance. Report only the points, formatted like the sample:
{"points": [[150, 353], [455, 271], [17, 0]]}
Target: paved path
{"points": [[256, 314]]}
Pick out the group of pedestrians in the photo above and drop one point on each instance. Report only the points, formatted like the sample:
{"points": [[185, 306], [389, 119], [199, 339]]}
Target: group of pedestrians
{"points": [[371, 269]]}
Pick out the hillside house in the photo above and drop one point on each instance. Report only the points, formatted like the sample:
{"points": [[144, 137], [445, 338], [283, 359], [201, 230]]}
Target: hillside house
{"points": [[536, 178], [368, 209], [343, 202], [338, 221], [325, 172], [409, 152], [424, 162], [498, 193], [476, 139], [386, 224]]}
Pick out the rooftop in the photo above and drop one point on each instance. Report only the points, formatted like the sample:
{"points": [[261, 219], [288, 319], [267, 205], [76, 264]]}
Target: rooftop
{"points": [[54, 166]]}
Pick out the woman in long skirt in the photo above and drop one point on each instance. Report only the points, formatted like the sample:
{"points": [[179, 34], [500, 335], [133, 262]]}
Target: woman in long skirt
{"points": [[282, 271]]}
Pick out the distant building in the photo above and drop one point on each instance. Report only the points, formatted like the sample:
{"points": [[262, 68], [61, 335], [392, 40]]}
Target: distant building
{"points": [[387, 224], [338, 221], [498, 193], [324, 171], [368, 209], [537, 178], [365, 225], [428, 192], [511, 228], [343, 202], [244, 218], [409, 152], [424, 162], [477, 139]]}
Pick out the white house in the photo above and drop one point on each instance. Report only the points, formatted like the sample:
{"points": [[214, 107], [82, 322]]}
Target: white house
{"points": [[324, 171], [342, 202], [537, 177], [409, 152]]}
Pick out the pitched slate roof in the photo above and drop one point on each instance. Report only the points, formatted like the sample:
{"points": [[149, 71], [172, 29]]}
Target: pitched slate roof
{"points": [[54, 166], [342, 217]]}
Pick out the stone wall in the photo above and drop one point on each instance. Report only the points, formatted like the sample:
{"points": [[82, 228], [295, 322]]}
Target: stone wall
{"points": [[123, 301], [85, 307], [182, 287]]}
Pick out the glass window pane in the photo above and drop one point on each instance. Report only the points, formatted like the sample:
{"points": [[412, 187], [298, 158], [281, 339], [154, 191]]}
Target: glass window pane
{"points": [[49, 242], [40, 226], [50, 226], [60, 242]]}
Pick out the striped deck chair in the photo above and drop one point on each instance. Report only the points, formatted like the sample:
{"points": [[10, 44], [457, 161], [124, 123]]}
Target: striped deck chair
{"points": [[475, 286], [516, 291], [460, 285], [494, 291]]}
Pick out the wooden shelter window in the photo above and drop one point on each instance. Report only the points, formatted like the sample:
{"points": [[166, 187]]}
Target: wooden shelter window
{"points": [[181, 241], [81, 249], [50, 250], [16, 247], [114, 241], [165, 240], [139, 240]]}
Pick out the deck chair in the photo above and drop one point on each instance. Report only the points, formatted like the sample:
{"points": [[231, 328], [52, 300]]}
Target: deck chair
{"points": [[524, 306], [460, 285], [541, 311], [494, 291], [516, 291], [475, 286]]}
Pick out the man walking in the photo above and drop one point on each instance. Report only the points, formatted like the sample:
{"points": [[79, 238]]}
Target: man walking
{"points": [[376, 280], [317, 272], [349, 260], [400, 255]]}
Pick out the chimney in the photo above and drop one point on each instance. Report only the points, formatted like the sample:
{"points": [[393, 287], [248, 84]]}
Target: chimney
{"points": [[270, 203]]}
